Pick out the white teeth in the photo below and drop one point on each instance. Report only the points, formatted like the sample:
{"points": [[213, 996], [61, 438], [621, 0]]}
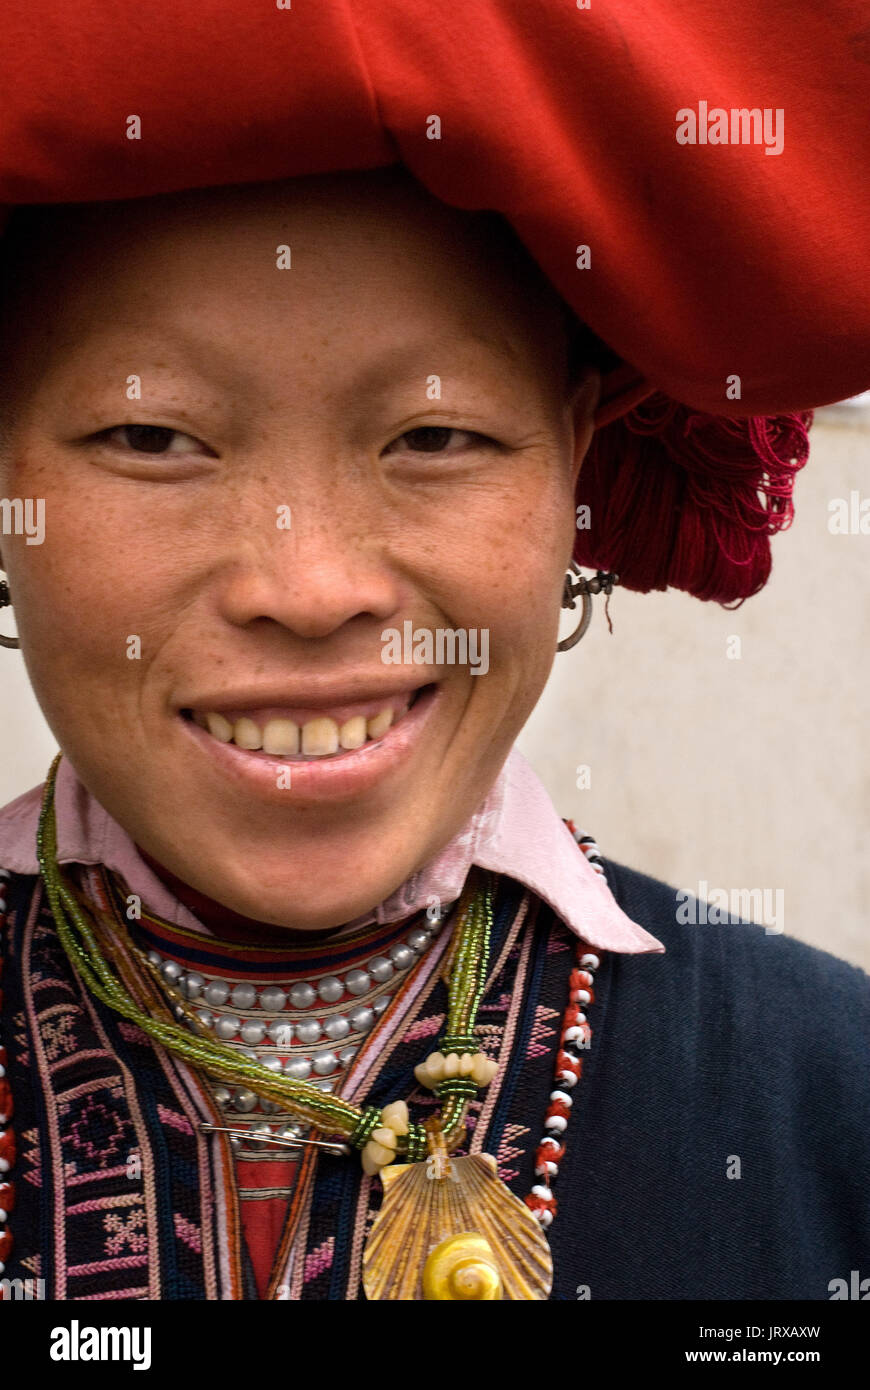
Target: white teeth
{"points": [[246, 734], [320, 737], [379, 725], [281, 736], [353, 733], [218, 727]]}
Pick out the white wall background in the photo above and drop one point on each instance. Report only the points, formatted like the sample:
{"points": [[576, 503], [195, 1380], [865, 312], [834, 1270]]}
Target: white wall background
{"points": [[742, 774]]}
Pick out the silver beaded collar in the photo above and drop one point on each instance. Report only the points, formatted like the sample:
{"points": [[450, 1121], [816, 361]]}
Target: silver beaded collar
{"points": [[280, 1026]]}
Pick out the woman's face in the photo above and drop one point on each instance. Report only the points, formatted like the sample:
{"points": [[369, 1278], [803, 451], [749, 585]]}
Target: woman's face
{"points": [[370, 432]]}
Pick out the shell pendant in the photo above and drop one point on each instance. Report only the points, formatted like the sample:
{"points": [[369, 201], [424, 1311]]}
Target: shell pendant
{"points": [[449, 1228]]}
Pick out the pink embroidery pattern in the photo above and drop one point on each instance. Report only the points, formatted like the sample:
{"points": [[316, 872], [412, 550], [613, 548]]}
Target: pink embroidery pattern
{"points": [[59, 1036], [425, 1027], [319, 1259], [132, 1033], [172, 1117], [186, 1231], [540, 1035], [508, 1150], [127, 1232], [96, 1135]]}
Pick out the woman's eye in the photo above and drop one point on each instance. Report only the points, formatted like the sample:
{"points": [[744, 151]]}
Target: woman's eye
{"points": [[151, 439], [433, 439]]}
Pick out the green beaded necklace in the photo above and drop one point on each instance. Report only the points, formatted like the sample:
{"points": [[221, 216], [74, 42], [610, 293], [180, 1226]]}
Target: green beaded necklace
{"points": [[327, 1113]]}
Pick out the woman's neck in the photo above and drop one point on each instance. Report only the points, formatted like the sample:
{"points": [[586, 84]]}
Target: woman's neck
{"points": [[226, 924]]}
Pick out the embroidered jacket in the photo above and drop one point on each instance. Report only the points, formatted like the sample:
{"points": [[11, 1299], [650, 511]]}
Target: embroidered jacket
{"points": [[716, 1147]]}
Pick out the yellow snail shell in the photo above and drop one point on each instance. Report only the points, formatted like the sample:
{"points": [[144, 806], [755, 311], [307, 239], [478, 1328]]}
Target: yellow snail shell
{"points": [[462, 1266], [428, 1206]]}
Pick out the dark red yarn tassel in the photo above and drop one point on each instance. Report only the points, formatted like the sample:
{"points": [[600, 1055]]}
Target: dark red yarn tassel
{"points": [[689, 501]]}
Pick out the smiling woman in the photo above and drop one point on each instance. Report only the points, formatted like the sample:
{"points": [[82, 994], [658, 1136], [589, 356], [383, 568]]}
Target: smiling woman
{"points": [[264, 392], [290, 913]]}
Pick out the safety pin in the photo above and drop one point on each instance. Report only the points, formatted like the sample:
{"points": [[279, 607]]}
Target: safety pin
{"points": [[328, 1146]]}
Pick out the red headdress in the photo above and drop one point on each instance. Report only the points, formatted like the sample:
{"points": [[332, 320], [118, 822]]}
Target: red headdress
{"points": [[692, 178]]}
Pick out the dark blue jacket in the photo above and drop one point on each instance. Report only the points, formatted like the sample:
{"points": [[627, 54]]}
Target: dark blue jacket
{"points": [[739, 1052]]}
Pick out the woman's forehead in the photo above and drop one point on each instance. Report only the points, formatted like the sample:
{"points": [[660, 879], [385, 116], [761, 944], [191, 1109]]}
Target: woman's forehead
{"points": [[361, 216], [371, 255]]}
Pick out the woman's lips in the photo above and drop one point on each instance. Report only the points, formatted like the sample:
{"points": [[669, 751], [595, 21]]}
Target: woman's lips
{"points": [[315, 776]]}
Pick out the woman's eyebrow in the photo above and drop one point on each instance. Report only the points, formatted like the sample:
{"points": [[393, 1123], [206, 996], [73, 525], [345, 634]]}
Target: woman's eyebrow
{"points": [[471, 354], [170, 357], [179, 354]]}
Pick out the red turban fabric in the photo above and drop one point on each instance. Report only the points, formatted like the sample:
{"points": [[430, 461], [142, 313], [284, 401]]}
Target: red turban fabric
{"points": [[711, 159]]}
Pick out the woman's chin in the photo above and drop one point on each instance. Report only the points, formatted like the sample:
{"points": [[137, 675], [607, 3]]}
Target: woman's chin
{"points": [[306, 900]]}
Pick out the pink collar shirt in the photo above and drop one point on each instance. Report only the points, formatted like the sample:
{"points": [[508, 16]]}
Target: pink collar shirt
{"points": [[515, 832]]}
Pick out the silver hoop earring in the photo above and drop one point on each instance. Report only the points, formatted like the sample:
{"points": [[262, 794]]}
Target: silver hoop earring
{"points": [[6, 602], [602, 583]]}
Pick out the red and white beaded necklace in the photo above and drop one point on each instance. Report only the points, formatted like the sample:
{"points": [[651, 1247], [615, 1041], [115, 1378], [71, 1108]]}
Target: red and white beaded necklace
{"points": [[575, 1036]]}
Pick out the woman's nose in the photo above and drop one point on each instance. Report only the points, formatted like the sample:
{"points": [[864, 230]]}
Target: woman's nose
{"points": [[313, 570]]}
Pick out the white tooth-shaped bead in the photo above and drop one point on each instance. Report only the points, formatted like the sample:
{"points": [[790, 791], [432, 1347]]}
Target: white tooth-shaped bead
{"points": [[451, 1064], [435, 1065], [219, 727], [466, 1062], [281, 736], [378, 1157], [395, 1117], [320, 737], [483, 1069], [384, 1136], [352, 734], [424, 1076], [377, 727], [373, 1160], [246, 734]]}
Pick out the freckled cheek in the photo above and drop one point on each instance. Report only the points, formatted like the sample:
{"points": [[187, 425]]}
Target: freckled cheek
{"points": [[517, 601], [80, 595], [528, 566], [527, 629]]}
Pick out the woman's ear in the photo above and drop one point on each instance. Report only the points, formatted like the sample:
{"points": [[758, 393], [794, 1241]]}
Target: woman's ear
{"points": [[582, 403]]}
